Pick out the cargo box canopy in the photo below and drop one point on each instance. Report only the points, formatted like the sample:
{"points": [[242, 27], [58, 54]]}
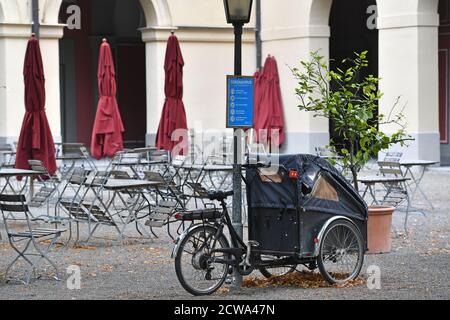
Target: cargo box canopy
{"points": [[305, 182]]}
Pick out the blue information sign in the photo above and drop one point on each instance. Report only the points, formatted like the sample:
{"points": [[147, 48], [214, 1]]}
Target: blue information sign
{"points": [[240, 101]]}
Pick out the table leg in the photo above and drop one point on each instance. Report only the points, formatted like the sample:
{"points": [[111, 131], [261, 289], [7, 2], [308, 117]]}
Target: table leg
{"points": [[416, 182], [31, 187], [372, 193], [132, 216]]}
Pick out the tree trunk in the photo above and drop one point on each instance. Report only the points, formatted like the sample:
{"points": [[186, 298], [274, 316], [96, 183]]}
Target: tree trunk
{"points": [[353, 167], [355, 178]]}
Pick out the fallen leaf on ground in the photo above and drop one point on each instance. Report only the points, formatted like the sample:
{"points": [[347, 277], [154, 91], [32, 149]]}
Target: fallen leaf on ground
{"points": [[81, 247], [304, 279], [107, 267], [223, 290]]}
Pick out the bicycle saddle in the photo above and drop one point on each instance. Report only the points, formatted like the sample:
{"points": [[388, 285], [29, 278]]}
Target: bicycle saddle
{"points": [[219, 195]]}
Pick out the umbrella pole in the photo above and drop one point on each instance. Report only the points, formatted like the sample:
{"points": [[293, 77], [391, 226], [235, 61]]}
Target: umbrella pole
{"points": [[35, 27]]}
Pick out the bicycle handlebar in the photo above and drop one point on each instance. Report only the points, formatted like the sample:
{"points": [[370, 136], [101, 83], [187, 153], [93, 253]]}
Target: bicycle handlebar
{"points": [[255, 165]]}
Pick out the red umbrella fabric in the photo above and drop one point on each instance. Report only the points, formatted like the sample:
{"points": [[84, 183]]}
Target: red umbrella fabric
{"points": [[35, 141], [108, 128], [268, 118], [173, 115]]}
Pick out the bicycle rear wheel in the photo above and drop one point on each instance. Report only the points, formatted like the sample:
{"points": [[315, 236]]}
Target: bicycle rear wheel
{"points": [[200, 271]]}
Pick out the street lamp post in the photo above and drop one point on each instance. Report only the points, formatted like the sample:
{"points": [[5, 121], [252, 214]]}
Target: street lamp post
{"points": [[238, 13]]}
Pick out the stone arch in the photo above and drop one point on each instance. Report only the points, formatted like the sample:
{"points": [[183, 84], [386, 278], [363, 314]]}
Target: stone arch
{"points": [[411, 6], [157, 13], [50, 11], [320, 12], [9, 11]]}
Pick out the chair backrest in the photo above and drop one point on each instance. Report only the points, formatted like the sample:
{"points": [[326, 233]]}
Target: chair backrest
{"points": [[79, 176], [6, 147], [198, 190], [72, 149], [120, 174], [393, 156], [84, 152], [38, 165], [7, 154], [396, 192], [392, 168], [10, 203], [325, 151], [154, 176], [128, 156], [101, 177], [158, 155]]}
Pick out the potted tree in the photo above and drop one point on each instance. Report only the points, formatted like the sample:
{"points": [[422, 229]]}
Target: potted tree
{"points": [[350, 101]]}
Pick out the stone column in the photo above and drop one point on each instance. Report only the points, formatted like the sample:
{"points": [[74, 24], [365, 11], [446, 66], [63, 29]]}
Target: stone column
{"points": [[49, 43], [290, 37], [13, 43], [408, 67], [155, 49]]}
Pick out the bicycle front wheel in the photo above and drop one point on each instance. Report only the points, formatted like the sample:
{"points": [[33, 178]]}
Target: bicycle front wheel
{"points": [[199, 270], [341, 253]]}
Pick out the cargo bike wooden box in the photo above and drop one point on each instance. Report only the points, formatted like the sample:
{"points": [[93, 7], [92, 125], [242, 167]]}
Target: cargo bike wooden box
{"points": [[301, 211]]}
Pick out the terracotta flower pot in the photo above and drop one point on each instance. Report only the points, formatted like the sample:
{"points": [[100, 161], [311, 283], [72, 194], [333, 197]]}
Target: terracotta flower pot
{"points": [[379, 229]]}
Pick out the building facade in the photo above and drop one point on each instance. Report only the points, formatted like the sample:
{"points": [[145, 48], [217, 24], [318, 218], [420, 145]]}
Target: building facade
{"points": [[406, 39]]}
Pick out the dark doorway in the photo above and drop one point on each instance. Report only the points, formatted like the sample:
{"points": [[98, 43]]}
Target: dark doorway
{"points": [[444, 72], [353, 30], [119, 21]]}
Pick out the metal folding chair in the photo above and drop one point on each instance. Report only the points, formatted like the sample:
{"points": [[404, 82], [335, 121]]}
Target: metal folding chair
{"points": [[7, 155], [79, 209], [168, 199], [36, 238], [393, 156], [396, 193], [72, 153], [133, 159], [49, 185], [85, 153]]}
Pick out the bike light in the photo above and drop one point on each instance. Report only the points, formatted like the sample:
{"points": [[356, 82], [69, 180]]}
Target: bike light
{"points": [[178, 216], [316, 241], [293, 174]]}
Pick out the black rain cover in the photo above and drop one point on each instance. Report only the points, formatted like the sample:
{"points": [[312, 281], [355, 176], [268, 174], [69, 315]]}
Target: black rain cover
{"points": [[288, 194]]}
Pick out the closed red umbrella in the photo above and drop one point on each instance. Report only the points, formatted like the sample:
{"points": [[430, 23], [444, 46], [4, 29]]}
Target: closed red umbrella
{"points": [[35, 141], [269, 118], [173, 115], [108, 128]]}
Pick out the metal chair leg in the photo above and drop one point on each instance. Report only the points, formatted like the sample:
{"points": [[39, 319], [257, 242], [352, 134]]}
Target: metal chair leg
{"points": [[20, 254]]}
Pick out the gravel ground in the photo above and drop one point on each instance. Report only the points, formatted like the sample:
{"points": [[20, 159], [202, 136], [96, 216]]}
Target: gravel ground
{"points": [[417, 268]]}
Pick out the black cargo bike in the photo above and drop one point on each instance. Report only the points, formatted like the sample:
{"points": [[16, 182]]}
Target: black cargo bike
{"points": [[300, 212]]}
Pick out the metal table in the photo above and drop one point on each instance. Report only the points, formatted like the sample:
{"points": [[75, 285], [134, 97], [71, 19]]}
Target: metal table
{"points": [[370, 182], [134, 164], [416, 180], [8, 173], [116, 186]]}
